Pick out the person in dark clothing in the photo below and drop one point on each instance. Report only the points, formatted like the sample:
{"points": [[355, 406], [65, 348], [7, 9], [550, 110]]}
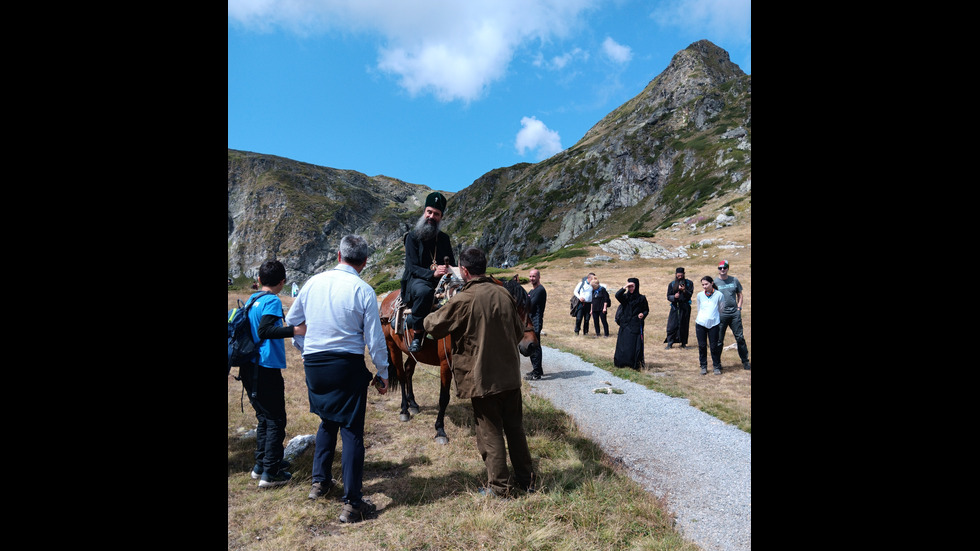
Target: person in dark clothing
{"points": [[600, 304], [629, 341], [538, 297], [263, 380], [426, 250], [679, 293]]}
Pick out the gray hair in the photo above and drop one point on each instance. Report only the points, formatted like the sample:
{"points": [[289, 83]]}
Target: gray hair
{"points": [[353, 249]]}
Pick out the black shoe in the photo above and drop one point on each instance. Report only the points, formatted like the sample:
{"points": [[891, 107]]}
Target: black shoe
{"points": [[352, 513], [683, 346], [416, 345], [272, 481], [747, 365], [668, 346], [532, 376], [257, 470]]}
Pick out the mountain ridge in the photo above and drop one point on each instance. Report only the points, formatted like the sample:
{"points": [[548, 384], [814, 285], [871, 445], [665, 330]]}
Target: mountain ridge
{"points": [[648, 164]]}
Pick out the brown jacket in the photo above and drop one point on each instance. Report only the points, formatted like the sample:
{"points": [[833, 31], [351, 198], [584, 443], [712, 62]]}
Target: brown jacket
{"points": [[485, 327]]}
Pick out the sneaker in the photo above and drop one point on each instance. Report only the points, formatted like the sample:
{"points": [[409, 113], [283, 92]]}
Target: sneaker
{"points": [[532, 376], [351, 513], [257, 470], [271, 481], [717, 371], [321, 489], [704, 370]]}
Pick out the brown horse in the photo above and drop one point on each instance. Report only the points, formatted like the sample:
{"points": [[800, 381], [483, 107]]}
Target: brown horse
{"points": [[438, 352]]}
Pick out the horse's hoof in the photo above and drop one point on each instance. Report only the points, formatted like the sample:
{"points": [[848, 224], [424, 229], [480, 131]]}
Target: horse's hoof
{"points": [[413, 411], [404, 417], [442, 440]]}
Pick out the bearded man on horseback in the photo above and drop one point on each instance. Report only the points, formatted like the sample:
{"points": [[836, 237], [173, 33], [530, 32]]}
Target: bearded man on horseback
{"points": [[426, 248]]}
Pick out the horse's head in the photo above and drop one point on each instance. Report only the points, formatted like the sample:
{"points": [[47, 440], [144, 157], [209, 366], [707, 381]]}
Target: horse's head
{"points": [[530, 340]]}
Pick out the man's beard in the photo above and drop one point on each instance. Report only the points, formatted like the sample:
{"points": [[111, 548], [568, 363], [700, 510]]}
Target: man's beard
{"points": [[426, 229]]}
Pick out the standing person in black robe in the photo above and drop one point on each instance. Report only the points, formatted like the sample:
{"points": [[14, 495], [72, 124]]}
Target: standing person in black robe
{"points": [[633, 310], [679, 293]]}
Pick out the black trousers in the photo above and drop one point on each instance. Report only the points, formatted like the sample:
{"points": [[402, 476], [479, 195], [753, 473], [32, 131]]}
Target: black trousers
{"points": [[598, 316], [535, 356], [583, 314], [421, 294], [269, 403], [708, 338]]}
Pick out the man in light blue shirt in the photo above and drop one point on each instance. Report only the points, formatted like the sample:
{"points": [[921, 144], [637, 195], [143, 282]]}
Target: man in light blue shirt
{"points": [[341, 314]]}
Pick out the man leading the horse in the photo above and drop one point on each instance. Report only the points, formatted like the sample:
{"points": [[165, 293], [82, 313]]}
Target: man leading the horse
{"points": [[426, 248]]}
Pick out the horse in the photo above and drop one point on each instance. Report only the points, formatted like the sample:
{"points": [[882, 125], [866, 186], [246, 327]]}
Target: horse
{"points": [[438, 352]]}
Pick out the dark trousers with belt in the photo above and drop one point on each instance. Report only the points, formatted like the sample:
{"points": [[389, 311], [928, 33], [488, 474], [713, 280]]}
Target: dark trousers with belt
{"points": [[266, 393], [499, 415], [337, 384]]}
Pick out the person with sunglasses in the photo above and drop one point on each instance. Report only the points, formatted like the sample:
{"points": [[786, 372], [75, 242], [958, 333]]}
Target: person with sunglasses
{"points": [[731, 311]]}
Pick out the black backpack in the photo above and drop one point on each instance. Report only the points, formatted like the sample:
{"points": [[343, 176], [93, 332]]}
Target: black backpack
{"points": [[241, 347]]}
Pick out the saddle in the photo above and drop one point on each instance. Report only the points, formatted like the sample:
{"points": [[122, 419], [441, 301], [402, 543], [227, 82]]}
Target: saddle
{"points": [[448, 286]]}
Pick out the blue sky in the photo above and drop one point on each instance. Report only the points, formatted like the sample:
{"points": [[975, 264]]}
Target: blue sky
{"points": [[439, 92]]}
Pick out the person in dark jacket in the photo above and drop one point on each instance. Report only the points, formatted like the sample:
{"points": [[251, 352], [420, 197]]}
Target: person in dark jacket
{"points": [[485, 327], [600, 304], [426, 250], [679, 293], [629, 341]]}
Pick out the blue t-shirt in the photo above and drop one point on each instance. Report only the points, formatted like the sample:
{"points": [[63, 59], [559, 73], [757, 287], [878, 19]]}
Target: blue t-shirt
{"points": [[272, 352]]}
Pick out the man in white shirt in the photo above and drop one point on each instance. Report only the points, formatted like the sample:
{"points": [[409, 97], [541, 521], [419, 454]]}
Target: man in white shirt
{"points": [[341, 314], [584, 293]]}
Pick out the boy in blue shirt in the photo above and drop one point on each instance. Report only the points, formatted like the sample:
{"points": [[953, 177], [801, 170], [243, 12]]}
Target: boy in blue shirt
{"points": [[263, 381]]}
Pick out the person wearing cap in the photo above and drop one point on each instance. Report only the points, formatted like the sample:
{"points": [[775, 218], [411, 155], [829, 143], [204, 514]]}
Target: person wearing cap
{"points": [[633, 310], [731, 311], [679, 293], [426, 250]]}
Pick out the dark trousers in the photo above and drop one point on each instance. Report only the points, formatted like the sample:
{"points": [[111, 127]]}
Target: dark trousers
{"points": [[535, 356], [496, 416], [351, 457], [421, 293], [708, 338], [269, 403], [583, 314], [735, 322], [598, 316]]}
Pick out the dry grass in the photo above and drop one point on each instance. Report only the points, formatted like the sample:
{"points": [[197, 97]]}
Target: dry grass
{"points": [[426, 492]]}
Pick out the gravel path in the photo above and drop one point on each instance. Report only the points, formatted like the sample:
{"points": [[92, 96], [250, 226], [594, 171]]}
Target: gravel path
{"points": [[702, 466]]}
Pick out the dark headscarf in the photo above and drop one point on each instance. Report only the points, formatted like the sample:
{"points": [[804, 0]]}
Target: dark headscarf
{"points": [[636, 285]]}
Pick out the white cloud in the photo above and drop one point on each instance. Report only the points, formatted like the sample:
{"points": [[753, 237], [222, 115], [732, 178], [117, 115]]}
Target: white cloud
{"points": [[534, 135], [451, 48], [720, 21], [616, 52]]}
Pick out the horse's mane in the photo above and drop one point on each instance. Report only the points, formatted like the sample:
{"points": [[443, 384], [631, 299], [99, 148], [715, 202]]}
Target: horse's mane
{"points": [[519, 294]]}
